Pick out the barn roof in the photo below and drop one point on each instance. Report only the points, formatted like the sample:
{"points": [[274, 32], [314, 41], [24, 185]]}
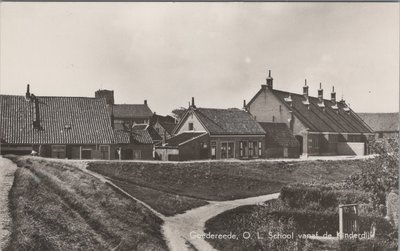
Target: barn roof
{"points": [[319, 119], [63, 120], [148, 132], [381, 122], [127, 111], [279, 134]]}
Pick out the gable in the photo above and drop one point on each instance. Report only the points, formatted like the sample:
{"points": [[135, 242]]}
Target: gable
{"points": [[190, 117]]}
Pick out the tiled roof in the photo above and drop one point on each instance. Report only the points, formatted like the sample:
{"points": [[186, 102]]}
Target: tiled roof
{"points": [[383, 122], [279, 134], [63, 120], [122, 136], [228, 121], [322, 120], [126, 111], [151, 131], [183, 137], [140, 134]]}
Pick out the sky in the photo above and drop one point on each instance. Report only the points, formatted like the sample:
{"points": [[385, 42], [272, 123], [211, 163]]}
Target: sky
{"points": [[219, 53]]}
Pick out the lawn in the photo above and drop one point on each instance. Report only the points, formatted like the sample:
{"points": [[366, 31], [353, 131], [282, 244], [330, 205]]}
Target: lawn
{"points": [[55, 206], [223, 180]]}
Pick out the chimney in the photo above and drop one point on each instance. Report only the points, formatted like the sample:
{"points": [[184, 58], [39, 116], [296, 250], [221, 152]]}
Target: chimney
{"points": [[333, 95], [320, 93], [27, 94], [145, 101], [305, 89], [269, 80], [193, 105], [244, 105], [107, 94]]}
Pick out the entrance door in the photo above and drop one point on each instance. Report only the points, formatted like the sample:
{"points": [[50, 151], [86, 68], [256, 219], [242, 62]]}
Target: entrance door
{"points": [[300, 140]]}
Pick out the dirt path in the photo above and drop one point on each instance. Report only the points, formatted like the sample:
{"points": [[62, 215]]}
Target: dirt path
{"points": [[7, 169], [177, 228]]}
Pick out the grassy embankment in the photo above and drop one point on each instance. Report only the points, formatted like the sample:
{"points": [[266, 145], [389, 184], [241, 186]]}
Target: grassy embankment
{"points": [[55, 206], [175, 187]]}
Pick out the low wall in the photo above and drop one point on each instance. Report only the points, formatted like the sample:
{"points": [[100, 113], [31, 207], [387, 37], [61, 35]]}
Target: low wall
{"points": [[351, 148]]}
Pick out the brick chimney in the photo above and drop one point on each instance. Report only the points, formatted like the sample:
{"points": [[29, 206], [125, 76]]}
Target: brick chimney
{"points": [[270, 80], [193, 105], [27, 94], [305, 89], [244, 105], [320, 93], [107, 94], [305, 93], [145, 101], [333, 95]]}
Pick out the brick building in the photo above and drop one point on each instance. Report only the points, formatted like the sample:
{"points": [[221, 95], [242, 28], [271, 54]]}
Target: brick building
{"points": [[223, 134], [322, 126]]}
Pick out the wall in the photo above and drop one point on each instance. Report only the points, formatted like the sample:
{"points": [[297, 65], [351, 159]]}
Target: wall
{"points": [[146, 150], [191, 118], [192, 150], [351, 148], [161, 131], [268, 108], [164, 152], [236, 140]]}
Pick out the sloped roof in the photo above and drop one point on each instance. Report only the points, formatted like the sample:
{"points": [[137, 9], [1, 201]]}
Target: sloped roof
{"points": [[183, 137], [381, 122], [167, 122], [321, 120], [87, 118], [122, 136], [279, 134], [227, 121], [128, 111], [140, 134], [151, 131]]}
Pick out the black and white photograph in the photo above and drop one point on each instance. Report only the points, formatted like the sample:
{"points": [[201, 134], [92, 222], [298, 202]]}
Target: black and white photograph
{"points": [[199, 126]]}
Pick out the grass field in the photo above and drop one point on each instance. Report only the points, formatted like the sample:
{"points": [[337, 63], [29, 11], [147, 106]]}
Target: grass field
{"points": [[222, 180], [55, 206]]}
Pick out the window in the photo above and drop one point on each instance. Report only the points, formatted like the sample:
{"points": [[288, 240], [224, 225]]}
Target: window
{"points": [[213, 150], [58, 151], [241, 148], [259, 149], [380, 135], [86, 153], [227, 150], [315, 142], [158, 130], [203, 145], [251, 148], [104, 151], [190, 126]]}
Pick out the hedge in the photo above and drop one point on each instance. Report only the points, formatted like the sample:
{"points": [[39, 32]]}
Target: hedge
{"points": [[310, 222], [320, 197]]}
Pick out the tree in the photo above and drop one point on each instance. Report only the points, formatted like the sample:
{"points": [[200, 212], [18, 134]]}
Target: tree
{"points": [[179, 112], [381, 175]]}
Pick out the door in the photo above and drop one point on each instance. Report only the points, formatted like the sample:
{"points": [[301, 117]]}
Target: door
{"points": [[86, 154], [137, 154]]}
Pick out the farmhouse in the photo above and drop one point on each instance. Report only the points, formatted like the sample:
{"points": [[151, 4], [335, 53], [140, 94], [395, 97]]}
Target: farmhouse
{"points": [[66, 127], [322, 127], [208, 133], [384, 125]]}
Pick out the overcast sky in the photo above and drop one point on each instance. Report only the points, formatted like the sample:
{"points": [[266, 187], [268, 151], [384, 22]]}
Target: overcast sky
{"points": [[219, 53]]}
